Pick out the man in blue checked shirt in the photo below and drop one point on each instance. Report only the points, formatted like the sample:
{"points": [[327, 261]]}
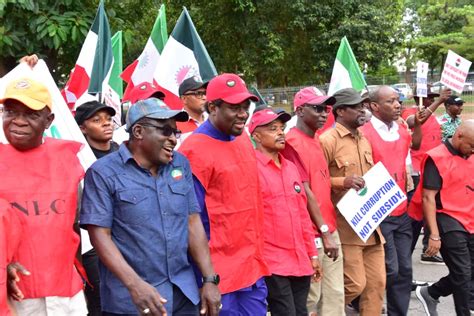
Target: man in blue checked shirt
{"points": [[142, 215]]}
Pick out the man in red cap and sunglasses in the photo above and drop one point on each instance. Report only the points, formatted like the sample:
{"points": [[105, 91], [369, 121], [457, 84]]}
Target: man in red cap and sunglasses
{"points": [[227, 187], [312, 108]]}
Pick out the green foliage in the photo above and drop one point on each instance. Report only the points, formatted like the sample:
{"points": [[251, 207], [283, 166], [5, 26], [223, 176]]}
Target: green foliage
{"points": [[444, 25], [270, 42], [52, 29], [292, 42]]}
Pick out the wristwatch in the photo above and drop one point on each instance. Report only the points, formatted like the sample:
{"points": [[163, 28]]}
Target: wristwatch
{"points": [[324, 228], [212, 279]]}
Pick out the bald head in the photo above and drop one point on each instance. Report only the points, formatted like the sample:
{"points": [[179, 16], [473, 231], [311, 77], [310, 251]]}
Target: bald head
{"points": [[463, 139]]}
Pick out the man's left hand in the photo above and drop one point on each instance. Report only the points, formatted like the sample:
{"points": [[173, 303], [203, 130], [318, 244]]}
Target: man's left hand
{"points": [[14, 270], [330, 247], [210, 299], [318, 271]]}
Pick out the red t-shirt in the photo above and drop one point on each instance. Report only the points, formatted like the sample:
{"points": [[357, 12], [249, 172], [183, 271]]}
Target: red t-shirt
{"points": [[309, 149]]}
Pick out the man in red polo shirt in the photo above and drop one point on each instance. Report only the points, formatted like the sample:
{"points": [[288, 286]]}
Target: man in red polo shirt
{"points": [[312, 109], [288, 232], [447, 195]]}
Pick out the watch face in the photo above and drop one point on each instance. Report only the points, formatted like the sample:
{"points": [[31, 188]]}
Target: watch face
{"points": [[324, 228], [217, 279]]}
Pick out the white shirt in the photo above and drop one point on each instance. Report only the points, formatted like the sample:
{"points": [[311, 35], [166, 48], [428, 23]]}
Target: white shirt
{"points": [[387, 134]]}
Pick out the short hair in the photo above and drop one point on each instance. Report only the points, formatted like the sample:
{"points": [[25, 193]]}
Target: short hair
{"points": [[217, 102]]}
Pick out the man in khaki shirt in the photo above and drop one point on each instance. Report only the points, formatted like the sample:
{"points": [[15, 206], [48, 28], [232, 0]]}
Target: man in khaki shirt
{"points": [[349, 156]]}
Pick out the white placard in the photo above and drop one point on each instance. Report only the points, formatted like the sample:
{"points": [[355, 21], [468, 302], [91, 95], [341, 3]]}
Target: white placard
{"points": [[64, 126], [455, 71], [365, 209], [421, 79]]}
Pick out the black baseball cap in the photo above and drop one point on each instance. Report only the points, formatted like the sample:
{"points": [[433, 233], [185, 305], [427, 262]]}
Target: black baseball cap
{"points": [[453, 99], [190, 84], [87, 110]]}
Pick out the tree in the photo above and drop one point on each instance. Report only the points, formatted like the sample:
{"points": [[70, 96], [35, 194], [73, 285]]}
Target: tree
{"points": [[53, 29], [271, 42], [444, 25], [293, 42]]}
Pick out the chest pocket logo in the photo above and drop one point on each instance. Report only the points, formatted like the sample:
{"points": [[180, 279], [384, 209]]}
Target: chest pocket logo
{"points": [[297, 187], [177, 174]]}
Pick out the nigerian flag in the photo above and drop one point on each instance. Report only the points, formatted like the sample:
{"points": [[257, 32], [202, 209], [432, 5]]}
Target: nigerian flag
{"points": [[346, 72]]}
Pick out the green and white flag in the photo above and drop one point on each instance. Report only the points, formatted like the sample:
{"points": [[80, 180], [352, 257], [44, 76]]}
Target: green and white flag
{"points": [[184, 56], [143, 68], [112, 91], [346, 72]]}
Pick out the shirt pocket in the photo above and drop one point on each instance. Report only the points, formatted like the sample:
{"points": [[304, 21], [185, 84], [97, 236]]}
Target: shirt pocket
{"points": [[179, 197], [369, 159], [133, 206], [347, 164]]}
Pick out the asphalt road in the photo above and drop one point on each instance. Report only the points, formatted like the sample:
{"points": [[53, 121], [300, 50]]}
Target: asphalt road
{"points": [[429, 273]]}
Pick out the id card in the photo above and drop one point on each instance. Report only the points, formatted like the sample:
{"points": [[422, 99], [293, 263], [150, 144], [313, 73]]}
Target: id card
{"points": [[318, 242]]}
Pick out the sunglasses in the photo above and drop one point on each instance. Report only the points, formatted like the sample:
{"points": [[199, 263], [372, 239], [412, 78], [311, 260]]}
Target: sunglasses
{"points": [[198, 94], [166, 130], [320, 108]]}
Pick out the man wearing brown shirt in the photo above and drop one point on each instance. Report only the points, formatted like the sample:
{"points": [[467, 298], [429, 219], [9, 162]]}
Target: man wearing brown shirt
{"points": [[349, 156]]}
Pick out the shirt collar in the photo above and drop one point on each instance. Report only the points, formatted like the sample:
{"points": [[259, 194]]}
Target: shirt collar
{"points": [[125, 153], [266, 160], [379, 125], [208, 129], [451, 149], [343, 131]]}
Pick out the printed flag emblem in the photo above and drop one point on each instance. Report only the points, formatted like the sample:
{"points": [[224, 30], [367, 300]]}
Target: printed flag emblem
{"points": [[297, 187], [177, 174]]}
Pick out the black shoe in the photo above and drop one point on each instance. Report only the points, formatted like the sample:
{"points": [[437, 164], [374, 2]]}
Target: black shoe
{"points": [[431, 260], [415, 284]]}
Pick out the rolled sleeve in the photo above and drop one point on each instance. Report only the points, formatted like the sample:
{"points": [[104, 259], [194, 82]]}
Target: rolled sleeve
{"points": [[337, 182], [97, 203]]}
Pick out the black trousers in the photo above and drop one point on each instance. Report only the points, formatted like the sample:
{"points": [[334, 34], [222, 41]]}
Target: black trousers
{"points": [[90, 261], [287, 295], [397, 231], [457, 249]]}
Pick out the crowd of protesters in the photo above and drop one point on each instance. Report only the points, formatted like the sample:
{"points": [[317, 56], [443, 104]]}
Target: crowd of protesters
{"points": [[237, 217]]}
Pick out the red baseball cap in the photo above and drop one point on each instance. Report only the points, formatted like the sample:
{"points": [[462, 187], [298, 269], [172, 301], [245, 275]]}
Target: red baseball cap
{"points": [[265, 117], [144, 91], [230, 88], [313, 96]]}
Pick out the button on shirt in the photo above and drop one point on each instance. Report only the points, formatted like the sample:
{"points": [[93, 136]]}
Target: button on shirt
{"points": [[148, 218], [287, 229]]}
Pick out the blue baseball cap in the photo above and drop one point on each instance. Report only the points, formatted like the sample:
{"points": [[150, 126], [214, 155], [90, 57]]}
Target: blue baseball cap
{"points": [[155, 109]]}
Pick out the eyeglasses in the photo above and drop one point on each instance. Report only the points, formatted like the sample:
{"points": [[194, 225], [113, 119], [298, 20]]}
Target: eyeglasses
{"points": [[197, 94], [166, 130], [320, 108]]}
